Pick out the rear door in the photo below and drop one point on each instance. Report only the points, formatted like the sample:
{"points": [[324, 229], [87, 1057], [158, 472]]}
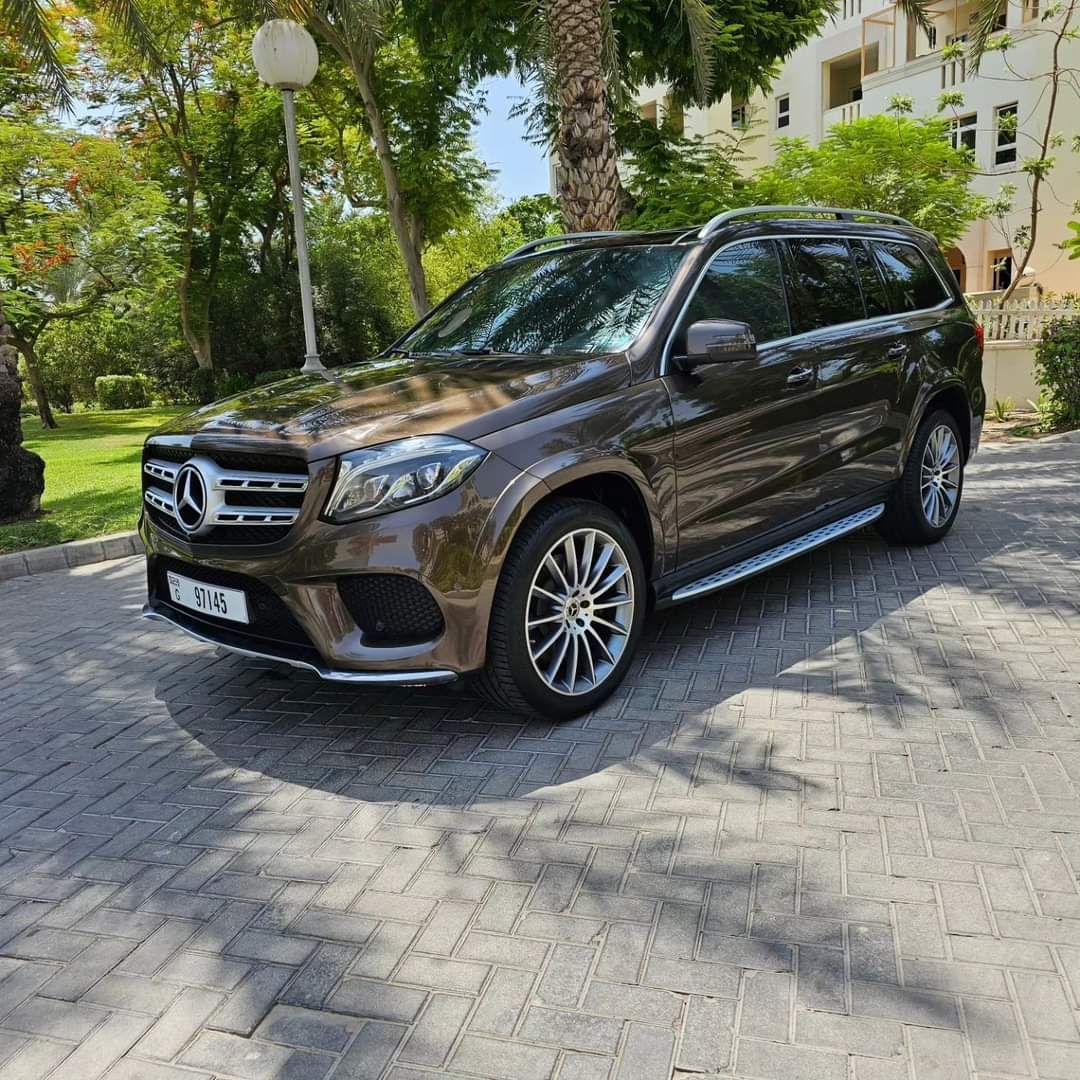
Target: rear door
{"points": [[839, 301], [746, 433]]}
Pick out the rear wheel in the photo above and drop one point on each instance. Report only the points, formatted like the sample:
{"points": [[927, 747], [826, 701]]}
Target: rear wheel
{"points": [[926, 500], [567, 613]]}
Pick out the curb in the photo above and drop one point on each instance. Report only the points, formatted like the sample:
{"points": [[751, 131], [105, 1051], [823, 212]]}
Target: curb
{"points": [[65, 556]]}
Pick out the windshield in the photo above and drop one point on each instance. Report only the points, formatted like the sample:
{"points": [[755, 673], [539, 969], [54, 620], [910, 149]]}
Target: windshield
{"points": [[569, 301]]}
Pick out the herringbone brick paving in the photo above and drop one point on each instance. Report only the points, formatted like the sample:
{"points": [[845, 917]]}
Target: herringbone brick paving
{"points": [[830, 830]]}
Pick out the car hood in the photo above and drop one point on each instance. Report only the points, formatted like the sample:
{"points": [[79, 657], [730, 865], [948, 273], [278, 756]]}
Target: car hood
{"points": [[394, 397]]}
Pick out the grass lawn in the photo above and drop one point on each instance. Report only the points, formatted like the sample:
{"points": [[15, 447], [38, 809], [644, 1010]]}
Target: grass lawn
{"points": [[92, 484]]}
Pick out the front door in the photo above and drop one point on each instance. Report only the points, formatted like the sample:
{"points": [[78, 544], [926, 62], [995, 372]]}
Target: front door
{"points": [[746, 432]]}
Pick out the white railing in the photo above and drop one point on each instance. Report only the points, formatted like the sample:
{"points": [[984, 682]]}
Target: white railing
{"points": [[1019, 320], [842, 114]]}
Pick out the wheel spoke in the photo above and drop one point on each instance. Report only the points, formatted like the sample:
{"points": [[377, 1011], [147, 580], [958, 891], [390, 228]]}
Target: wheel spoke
{"points": [[586, 648], [553, 670], [547, 644], [601, 565], [538, 591], [588, 549], [611, 604], [613, 627], [553, 566], [613, 578], [600, 641], [573, 574], [572, 680], [557, 617]]}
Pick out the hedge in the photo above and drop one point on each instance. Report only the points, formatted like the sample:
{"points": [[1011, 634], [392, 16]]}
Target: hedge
{"points": [[122, 391]]}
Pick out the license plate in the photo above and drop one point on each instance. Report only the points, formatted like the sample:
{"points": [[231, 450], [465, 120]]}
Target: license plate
{"points": [[228, 604]]}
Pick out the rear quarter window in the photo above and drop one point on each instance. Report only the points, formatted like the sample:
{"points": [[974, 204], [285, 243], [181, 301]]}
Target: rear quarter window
{"points": [[910, 280]]}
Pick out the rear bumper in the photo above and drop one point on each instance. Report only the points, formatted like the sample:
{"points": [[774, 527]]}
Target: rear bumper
{"points": [[267, 652]]}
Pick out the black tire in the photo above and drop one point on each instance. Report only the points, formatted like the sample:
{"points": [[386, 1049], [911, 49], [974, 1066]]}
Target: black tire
{"points": [[906, 521], [509, 679]]}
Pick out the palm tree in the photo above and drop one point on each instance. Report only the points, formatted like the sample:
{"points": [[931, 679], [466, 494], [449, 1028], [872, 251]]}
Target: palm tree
{"points": [[30, 24], [576, 63]]}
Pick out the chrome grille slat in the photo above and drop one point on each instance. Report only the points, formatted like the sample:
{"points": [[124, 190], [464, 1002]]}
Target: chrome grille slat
{"points": [[254, 515], [248, 487]]}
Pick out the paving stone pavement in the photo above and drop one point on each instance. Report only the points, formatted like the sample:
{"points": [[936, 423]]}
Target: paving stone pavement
{"points": [[830, 830]]}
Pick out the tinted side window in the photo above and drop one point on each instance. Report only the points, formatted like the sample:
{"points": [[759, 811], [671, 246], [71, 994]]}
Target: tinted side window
{"points": [[743, 282], [825, 287], [911, 282], [873, 288]]}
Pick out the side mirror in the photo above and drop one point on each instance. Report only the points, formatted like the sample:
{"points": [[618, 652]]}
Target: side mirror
{"points": [[716, 341]]}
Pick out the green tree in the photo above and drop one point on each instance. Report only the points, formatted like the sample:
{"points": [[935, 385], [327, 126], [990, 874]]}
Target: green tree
{"points": [[209, 133], [406, 119], [79, 227], [586, 55], [432, 177], [1039, 143], [675, 181], [890, 163]]}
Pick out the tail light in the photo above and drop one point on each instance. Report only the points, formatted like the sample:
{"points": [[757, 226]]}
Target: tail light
{"points": [[980, 336]]}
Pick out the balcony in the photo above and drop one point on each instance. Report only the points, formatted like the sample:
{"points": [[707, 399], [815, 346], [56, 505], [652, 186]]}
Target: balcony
{"points": [[842, 114]]}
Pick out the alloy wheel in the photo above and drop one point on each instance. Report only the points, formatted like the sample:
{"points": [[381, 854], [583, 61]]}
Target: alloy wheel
{"points": [[580, 611], [939, 479]]}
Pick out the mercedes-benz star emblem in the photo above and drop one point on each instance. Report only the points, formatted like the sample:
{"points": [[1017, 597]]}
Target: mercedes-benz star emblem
{"points": [[189, 497]]}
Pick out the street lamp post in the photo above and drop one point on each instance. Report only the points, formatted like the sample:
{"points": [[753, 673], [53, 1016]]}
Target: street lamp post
{"points": [[286, 57]]}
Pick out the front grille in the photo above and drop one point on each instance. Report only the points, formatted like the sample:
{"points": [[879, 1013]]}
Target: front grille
{"points": [[271, 620], [255, 498], [391, 609]]}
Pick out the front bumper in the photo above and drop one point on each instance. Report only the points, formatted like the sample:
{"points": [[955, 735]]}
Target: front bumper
{"points": [[444, 545], [365, 678]]}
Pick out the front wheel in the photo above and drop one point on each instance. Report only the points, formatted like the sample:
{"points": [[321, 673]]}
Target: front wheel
{"points": [[926, 500], [567, 614]]}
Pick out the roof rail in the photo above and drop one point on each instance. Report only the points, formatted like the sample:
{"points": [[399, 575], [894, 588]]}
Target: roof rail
{"points": [[840, 213], [563, 238]]}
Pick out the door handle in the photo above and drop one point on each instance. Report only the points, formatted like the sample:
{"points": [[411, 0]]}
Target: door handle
{"points": [[895, 351], [798, 376]]}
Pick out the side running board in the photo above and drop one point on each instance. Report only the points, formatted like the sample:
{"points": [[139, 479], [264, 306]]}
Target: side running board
{"points": [[775, 556]]}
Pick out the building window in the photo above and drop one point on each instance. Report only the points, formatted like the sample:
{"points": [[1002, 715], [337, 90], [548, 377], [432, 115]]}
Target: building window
{"points": [[962, 132], [650, 112], [1005, 126], [740, 114], [1001, 269], [931, 38], [674, 115], [1031, 10], [783, 110]]}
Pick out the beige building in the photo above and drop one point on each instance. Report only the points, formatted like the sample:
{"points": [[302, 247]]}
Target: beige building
{"points": [[868, 54]]}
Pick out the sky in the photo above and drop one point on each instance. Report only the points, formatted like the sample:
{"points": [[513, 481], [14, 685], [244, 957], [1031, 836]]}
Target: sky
{"points": [[500, 141]]}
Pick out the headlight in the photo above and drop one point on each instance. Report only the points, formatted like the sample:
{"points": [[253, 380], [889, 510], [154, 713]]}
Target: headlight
{"points": [[398, 474]]}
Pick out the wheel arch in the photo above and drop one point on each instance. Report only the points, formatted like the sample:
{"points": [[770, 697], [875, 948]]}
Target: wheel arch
{"points": [[953, 398]]}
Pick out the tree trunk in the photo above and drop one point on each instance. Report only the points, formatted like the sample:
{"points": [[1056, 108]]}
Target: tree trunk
{"points": [[395, 203], [37, 383], [22, 474], [590, 191], [198, 343]]}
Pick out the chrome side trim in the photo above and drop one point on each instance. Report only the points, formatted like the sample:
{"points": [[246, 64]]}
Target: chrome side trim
{"points": [[370, 678], [774, 556]]}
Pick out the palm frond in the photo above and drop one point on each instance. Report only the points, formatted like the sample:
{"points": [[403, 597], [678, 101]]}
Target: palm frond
{"points": [[28, 24], [915, 10], [127, 17], [610, 57], [988, 17], [704, 30]]}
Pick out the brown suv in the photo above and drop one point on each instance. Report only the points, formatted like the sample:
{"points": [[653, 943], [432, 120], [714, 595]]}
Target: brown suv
{"points": [[596, 424]]}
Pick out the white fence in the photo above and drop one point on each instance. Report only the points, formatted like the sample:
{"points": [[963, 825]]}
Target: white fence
{"points": [[1019, 320]]}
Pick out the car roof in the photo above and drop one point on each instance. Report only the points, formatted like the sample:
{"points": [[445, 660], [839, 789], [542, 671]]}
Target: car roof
{"points": [[743, 222]]}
